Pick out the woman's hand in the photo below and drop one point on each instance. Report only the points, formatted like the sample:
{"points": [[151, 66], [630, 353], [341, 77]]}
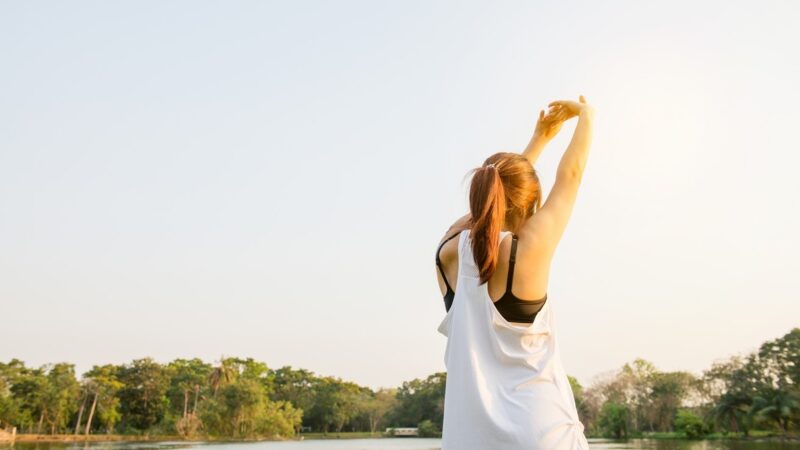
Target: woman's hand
{"points": [[567, 109], [548, 125]]}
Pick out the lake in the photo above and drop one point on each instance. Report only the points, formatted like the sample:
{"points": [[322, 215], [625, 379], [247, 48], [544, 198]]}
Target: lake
{"points": [[395, 444]]}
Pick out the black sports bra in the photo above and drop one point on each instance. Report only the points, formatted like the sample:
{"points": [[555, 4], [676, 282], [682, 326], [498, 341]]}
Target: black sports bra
{"points": [[512, 309]]}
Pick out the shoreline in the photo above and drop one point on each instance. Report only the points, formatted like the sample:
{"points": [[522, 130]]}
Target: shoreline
{"points": [[97, 438], [56, 438], [67, 438]]}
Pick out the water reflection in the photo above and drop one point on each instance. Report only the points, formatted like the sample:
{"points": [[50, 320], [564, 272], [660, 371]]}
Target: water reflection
{"points": [[398, 444], [677, 444]]}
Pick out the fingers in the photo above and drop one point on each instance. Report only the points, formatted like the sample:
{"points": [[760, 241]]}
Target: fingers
{"points": [[550, 116], [554, 109], [581, 98], [554, 119]]}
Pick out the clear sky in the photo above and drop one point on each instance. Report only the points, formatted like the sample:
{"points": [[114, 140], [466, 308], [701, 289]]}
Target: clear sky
{"points": [[270, 179]]}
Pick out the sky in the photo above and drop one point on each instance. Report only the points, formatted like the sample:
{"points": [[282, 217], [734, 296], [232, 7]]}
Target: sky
{"points": [[270, 179]]}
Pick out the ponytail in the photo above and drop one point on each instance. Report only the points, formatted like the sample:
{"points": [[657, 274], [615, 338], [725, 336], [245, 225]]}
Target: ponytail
{"points": [[487, 204]]}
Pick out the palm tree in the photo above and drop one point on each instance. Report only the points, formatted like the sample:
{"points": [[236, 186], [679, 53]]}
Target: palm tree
{"points": [[778, 405], [222, 374], [733, 409]]}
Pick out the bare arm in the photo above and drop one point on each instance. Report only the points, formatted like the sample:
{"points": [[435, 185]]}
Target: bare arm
{"points": [[534, 148], [461, 224], [547, 127], [551, 220]]}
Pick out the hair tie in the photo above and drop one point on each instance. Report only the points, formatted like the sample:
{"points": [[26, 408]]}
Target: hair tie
{"points": [[491, 165]]}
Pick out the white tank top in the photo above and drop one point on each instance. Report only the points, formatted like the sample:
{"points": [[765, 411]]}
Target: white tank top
{"points": [[506, 387]]}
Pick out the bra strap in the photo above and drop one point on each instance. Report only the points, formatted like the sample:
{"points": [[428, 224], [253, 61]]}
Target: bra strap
{"points": [[512, 260], [439, 261]]}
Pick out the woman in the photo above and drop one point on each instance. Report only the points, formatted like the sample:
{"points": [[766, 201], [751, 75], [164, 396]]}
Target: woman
{"points": [[506, 387]]}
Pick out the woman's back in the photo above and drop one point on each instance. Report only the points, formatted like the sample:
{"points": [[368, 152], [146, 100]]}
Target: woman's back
{"points": [[506, 388], [520, 277], [519, 269]]}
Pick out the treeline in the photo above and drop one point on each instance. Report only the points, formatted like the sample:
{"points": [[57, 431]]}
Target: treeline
{"points": [[235, 398], [244, 398], [757, 391]]}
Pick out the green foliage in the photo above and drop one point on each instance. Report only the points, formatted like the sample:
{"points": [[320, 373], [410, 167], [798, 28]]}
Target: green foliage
{"points": [[189, 397], [691, 424], [38, 399], [667, 392], [242, 398], [240, 406], [102, 385], [428, 429], [780, 358], [294, 386], [419, 400], [732, 412], [377, 407], [61, 396], [187, 383], [777, 405], [28, 391], [578, 395], [335, 403], [614, 420], [757, 391], [143, 396]]}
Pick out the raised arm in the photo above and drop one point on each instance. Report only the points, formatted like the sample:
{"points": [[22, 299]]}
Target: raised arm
{"points": [[551, 221], [547, 126], [461, 224]]}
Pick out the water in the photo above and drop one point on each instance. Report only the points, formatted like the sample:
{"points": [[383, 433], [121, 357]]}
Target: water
{"points": [[396, 444], [678, 444]]}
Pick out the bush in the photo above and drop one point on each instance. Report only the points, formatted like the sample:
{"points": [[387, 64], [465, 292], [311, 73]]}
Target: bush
{"points": [[428, 429], [691, 424], [614, 420]]}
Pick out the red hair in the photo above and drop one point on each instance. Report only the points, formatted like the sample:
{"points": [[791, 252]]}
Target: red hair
{"points": [[502, 192]]}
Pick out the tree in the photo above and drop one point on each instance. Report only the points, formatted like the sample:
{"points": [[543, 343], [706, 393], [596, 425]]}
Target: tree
{"points": [[777, 405], [344, 406], [10, 411], [731, 410], [29, 389], [690, 424], [143, 397], [614, 419], [419, 400], [667, 392], [781, 359], [102, 385], [378, 406], [332, 407], [222, 374], [297, 387], [61, 396], [242, 401], [187, 379], [428, 429], [186, 376]]}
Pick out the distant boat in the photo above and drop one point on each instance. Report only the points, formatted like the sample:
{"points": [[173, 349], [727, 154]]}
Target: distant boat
{"points": [[402, 431]]}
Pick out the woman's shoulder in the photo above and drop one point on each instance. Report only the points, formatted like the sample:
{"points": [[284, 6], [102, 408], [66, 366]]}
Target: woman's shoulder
{"points": [[448, 244], [457, 227], [533, 236]]}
